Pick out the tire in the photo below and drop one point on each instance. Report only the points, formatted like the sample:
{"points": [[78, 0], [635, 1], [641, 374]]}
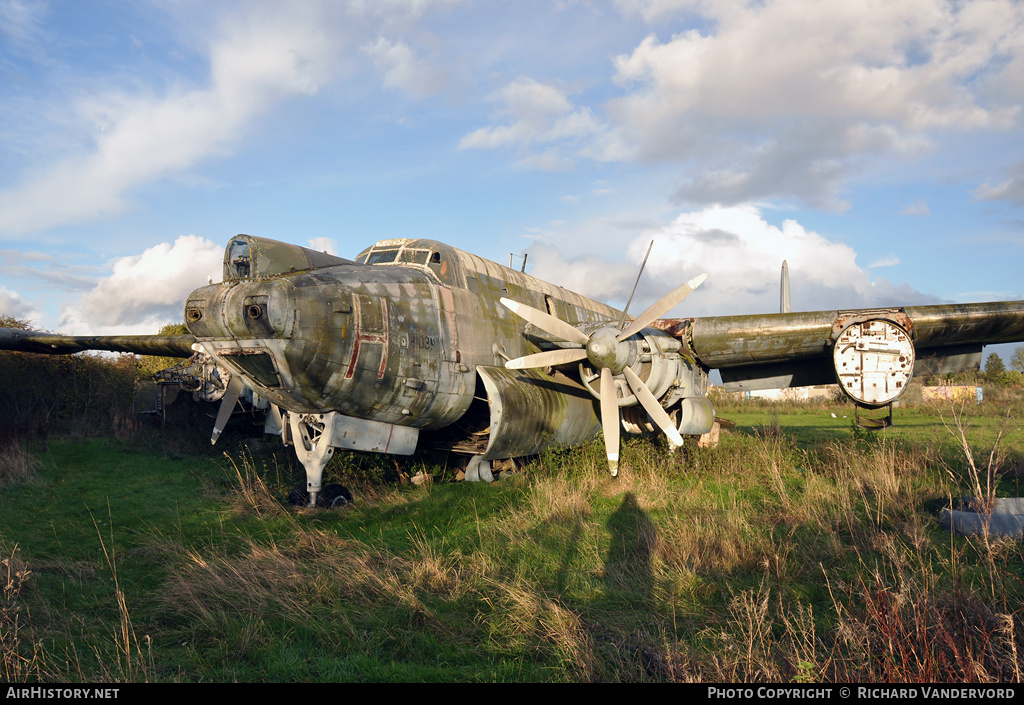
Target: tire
{"points": [[329, 497]]}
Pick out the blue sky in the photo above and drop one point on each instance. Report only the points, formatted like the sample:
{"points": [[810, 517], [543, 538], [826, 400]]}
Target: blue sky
{"points": [[875, 145]]}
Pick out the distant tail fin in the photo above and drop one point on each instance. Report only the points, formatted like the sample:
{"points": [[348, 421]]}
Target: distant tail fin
{"points": [[784, 289]]}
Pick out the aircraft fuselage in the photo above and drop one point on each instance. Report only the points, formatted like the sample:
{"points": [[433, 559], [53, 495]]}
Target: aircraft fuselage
{"points": [[396, 341]]}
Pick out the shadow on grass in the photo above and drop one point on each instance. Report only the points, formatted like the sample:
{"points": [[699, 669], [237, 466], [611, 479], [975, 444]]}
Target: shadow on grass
{"points": [[634, 538]]}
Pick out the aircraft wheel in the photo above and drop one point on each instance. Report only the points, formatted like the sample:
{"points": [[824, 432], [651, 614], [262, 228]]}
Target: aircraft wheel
{"points": [[330, 496], [333, 497]]}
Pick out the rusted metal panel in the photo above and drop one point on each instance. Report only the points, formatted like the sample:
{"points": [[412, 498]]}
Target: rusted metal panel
{"points": [[956, 324], [845, 319], [727, 341]]}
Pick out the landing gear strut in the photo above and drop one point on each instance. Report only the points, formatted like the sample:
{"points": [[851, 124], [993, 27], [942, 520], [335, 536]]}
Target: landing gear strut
{"points": [[312, 435], [479, 470]]}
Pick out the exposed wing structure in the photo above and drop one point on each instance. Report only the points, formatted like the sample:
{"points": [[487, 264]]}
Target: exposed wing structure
{"points": [[794, 349], [31, 341]]}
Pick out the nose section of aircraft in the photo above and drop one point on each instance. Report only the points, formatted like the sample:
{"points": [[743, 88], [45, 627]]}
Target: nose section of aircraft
{"points": [[243, 310], [285, 334]]}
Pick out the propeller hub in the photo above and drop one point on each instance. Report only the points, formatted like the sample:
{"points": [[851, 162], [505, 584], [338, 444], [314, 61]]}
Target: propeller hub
{"points": [[603, 350]]}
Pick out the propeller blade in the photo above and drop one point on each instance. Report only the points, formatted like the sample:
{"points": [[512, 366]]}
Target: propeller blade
{"points": [[227, 405], [550, 358], [610, 421], [547, 322], [652, 407], [662, 306]]}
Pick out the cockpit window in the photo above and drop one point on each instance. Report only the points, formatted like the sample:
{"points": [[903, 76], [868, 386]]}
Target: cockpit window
{"points": [[414, 256], [382, 256], [239, 260], [438, 263]]}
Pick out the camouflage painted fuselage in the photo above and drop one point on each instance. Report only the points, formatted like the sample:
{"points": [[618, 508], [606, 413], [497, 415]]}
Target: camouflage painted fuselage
{"points": [[394, 337]]}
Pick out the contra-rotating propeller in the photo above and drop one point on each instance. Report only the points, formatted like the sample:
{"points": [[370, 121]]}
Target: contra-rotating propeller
{"points": [[606, 350]]}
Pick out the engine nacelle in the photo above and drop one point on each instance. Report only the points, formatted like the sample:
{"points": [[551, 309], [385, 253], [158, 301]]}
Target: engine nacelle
{"points": [[680, 385], [874, 361], [654, 357]]}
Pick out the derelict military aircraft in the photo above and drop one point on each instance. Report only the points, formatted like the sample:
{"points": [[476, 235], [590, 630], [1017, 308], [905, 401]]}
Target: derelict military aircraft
{"points": [[417, 336]]}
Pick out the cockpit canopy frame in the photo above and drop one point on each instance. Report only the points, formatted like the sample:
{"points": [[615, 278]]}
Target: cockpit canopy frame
{"points": [[249, 257]]}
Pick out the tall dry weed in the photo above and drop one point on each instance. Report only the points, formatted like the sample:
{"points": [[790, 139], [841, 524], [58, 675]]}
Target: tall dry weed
{"points": [[762, 639], [132, 661], [19, 661], [710, 541], [315, 581], [983, 480], [882, 481], [927, 636], [252, 492]]}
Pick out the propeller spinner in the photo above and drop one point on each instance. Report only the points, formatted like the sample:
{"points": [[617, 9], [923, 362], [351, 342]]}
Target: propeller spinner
{"points": [[606, 350]]}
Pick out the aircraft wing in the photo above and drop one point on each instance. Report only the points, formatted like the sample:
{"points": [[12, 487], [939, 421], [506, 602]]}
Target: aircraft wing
{"points": [[778, 350], [32, 341]]}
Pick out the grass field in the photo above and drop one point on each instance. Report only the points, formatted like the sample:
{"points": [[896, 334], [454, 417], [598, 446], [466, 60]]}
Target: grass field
{"points": [[798, 550]]}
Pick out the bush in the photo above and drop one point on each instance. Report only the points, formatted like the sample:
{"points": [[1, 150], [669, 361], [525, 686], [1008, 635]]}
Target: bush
{"points": [[82, 393]]}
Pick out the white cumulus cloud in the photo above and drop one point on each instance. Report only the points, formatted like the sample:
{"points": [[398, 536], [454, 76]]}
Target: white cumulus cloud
{"points": [[742, 254], [13, 305], [146, 291]]}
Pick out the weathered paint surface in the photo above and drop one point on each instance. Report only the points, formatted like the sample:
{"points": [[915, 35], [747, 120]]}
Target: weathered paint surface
{"points": [[728, 341], [531, 410], [47, 343]]}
